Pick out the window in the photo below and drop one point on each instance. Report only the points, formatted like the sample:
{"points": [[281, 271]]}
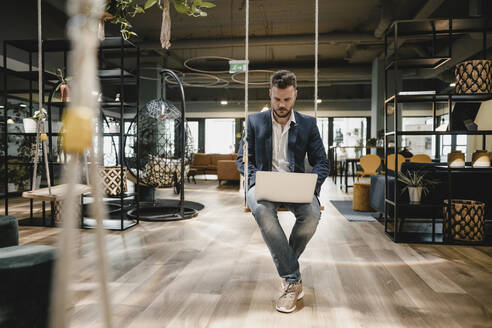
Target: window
{"points": [[418, 144], [350, 131], [220, 135], [193, 125]]}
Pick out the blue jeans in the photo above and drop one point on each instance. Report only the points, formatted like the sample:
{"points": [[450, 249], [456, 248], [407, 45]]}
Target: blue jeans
{"points": [[285, 253]]}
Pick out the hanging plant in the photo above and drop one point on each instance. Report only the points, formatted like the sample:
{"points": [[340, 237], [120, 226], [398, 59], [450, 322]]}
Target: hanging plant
{"points": [[120, 11]]}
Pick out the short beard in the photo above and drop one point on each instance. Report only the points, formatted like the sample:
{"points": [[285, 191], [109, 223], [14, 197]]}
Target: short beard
{"points": [[282, 116]]}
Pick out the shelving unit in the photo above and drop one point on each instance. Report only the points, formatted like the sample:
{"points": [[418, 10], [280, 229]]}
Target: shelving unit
{"points": [[434, 30], [28, 94], [116, 75], [112, 75]]}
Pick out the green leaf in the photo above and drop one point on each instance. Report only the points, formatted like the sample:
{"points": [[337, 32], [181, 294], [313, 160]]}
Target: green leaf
{"points": [[205, 4], [180, 7], [149, 3], [139, 10], [203, 14]]}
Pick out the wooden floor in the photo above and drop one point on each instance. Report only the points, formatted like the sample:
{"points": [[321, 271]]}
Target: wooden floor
{"points": [[215, 271]]}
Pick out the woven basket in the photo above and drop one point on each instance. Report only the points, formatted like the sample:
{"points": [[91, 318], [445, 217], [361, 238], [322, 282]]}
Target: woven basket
{"points": [[466, 222], [473, 76], [111, 180]]}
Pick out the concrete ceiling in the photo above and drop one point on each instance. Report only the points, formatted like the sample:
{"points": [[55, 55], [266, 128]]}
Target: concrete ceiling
{"points": [[281, 36]]}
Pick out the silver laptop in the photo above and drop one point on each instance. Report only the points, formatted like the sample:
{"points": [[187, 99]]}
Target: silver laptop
{"points": [[285, 187]]}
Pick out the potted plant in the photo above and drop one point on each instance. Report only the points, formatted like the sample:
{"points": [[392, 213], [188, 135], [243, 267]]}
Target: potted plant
{"points": [[63, 87], [30, 123], [416, 185]]}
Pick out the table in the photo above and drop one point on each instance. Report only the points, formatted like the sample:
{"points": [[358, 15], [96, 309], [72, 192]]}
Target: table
{"points": [[58, 192]]}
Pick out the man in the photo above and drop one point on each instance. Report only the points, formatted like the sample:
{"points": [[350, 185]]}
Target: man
{"points": [[278, 140]]}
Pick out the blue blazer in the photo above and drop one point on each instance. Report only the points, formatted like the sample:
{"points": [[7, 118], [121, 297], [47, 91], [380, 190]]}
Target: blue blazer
{"points": [[303, 139]]}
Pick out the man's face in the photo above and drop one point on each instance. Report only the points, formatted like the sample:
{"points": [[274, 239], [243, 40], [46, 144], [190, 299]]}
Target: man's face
{"points": [[283, 100]]}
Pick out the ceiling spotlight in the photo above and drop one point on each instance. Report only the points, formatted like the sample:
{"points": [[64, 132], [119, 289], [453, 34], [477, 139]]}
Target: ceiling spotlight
{"points": [[223, 102], [23, 105], [10, 121], [452, 84], [319, 101]]}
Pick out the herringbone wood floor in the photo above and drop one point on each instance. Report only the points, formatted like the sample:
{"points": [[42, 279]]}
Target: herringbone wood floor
{"points": [[215, 271]]}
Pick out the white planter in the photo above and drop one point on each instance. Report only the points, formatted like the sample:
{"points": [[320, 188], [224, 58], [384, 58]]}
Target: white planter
{"points": [[415, 194], [29, 125]]}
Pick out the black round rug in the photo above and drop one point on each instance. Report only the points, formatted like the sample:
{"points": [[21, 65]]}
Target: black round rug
{"points": [[165, 210]]}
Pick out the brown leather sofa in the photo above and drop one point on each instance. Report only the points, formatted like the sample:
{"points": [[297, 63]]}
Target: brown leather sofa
{"points": [[223, 165]]}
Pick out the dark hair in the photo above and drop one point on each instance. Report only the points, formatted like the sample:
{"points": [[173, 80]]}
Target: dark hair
{"points": [[283, 79]]}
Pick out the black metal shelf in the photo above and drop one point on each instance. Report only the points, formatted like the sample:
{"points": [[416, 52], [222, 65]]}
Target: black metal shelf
{"points": [[31, 163], [424, 30], [114, 73], [439, 26], [54, 134], [465, 169], [121, 75], [104, 104], [423, 62], [440, 98], [60, 45], [439, 133], [117, 134]]}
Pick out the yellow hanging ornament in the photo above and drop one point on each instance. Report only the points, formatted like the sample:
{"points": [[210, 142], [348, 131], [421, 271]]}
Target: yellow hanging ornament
{"points": [[77, 123], [44, 137]]}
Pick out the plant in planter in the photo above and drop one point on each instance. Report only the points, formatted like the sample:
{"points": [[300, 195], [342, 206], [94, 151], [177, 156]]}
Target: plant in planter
{"points": [[30, 123], [63, 86], [416, 185]]}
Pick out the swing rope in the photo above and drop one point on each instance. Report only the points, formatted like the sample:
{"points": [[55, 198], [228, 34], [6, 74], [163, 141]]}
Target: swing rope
{"points": [[41, 118], [316, 60], [82, 29], [246, 81]]}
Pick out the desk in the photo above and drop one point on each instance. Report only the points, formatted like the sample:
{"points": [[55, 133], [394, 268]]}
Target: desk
{"points": [[58, 192]]}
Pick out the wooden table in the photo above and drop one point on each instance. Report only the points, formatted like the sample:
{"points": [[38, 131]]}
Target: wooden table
{"points": [[58, 192]]}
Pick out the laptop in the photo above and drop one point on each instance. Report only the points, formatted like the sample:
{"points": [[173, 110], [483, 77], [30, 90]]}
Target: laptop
{"points": [[285, 187]]}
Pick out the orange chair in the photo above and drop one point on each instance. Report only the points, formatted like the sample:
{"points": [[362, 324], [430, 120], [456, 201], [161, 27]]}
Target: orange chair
{"points": [[420, 158], [370, 164], [391, 162]]}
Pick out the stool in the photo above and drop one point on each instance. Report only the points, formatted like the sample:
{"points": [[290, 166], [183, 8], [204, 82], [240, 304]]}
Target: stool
{"points": [[25, 288], [9, 231], [362, 201]]}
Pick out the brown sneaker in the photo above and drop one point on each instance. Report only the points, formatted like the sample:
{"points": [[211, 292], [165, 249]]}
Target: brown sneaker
{"points": [[287, 302]]}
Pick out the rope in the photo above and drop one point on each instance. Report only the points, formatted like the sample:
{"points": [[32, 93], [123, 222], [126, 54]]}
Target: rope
{"points": [[316, 60], [82, 31], [40, 100], [246, 81]]}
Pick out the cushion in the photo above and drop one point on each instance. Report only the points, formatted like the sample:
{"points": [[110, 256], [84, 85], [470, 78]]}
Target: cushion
{"points": [[9, 231], [26, 275], [159, 172], [201, 160], [217, 157]]}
